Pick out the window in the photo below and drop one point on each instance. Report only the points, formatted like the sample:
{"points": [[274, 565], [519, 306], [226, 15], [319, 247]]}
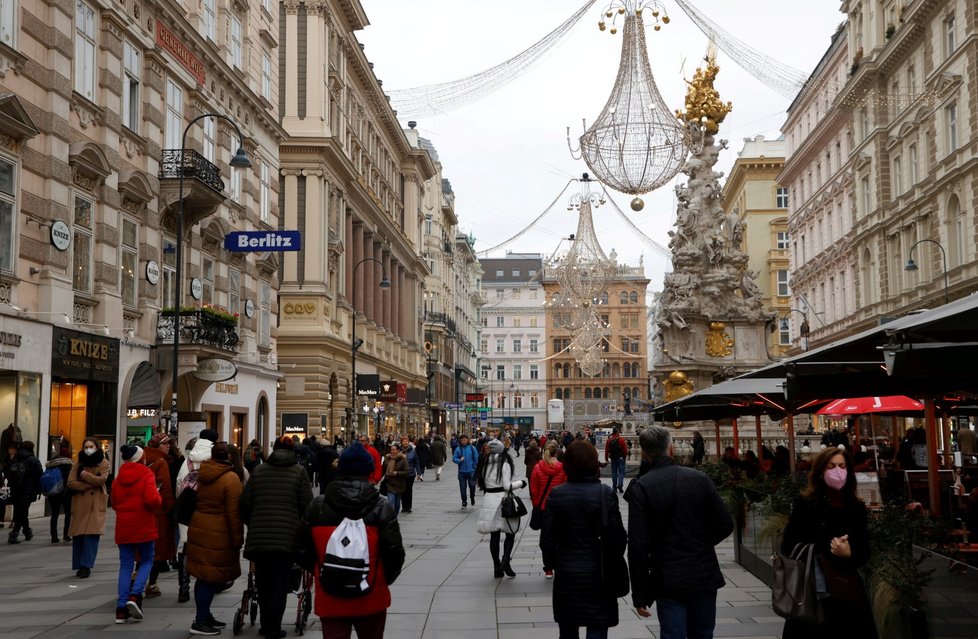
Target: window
{"points": [[8, 204], [266, 75], [265, 323], [169, 273], [500, 346], [265, 192], [515, 293], [235, 175], [81, 255], [207, 271], [234, 291], [517, 371], [864, 122], [427, 225], [531, 272], [173, 130], [8, 22], [130, 87], [210, 19], [783, 282], [500, 272], [484, 346], [518, 399], [129, 259], [784, 331], [517, 321], [951, 126], [500, 321], [897, 176], [534, 371], [499, 293], [533, 320], [534, 400], [783, 240], [485, 372], [864, 187], [517, 346], [85, 30], [235, 49], [950, 41], [516, 272], [500, 372], [632, 299], [534, 346], [623, 298], [781, 197]]}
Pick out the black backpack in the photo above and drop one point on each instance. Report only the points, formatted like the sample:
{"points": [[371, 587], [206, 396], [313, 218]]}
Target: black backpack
{"points": [[615, 451]]}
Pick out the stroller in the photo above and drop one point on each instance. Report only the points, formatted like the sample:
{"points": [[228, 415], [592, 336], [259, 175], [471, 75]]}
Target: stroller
{"points": [[303, 590], [249, 603]]}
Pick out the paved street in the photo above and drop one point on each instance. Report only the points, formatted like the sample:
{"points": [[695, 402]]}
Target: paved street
{"points": [[446, 589]]}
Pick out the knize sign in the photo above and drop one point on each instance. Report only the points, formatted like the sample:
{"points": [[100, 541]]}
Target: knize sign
{"points": [[260, 241]]}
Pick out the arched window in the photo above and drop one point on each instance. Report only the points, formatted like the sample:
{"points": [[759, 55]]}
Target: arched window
{"points": [[560, 393], [615, 370], [633, 297], [954, 219], [634, 369], [597, 393], [567, 371], [567, 393], [604, 298], [557, 369], [623, 298], [605, 392], [626, 370], [868, 277], [635, 394], [587, 393], [534, 400]]}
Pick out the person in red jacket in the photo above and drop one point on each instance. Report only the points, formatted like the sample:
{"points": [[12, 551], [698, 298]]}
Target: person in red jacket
{"points": [[136, 500], [615, 451], [547, 475], [378, 471]]}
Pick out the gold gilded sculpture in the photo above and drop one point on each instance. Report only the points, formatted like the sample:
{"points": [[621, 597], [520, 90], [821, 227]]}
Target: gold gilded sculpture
{"points": [[718, 342], [677, 385], [703, 103]]}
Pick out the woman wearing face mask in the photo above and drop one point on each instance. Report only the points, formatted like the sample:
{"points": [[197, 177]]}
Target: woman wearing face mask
{"points": [[830, 515], [88, 502]]}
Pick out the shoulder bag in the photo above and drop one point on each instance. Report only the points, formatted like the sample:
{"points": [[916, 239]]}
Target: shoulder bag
{"points": [[512, 506], [536, 517], [793, 592], [614, 570]]}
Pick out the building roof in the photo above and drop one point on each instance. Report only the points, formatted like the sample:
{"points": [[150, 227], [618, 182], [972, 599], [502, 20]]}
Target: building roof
{"points": [[519, 263]]}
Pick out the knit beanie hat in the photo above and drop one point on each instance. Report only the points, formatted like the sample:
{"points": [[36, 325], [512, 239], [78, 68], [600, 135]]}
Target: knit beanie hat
{"points": [[356, 461], [209, 434], [496, 446], [131, 453], [158, 440]]}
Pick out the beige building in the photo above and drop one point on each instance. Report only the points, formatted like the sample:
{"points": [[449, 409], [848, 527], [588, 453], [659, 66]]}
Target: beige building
{"points": [[94, 99], [753, 192], [352, 183]]}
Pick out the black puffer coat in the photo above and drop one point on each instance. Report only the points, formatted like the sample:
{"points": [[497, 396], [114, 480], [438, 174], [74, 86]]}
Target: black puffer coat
{"points": [[25, 485], [569, 541], [273, 502], [675, 519]]}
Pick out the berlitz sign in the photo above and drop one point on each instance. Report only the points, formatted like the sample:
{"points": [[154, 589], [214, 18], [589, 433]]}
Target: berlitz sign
{"points": [[215, 370], [246, 241]]}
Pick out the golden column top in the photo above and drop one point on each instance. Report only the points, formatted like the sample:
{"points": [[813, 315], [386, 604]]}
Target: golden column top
{"points": [[703, 104]]}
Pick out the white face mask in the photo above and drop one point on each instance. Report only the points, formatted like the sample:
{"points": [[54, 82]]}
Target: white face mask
{"points": [[90, 451]]}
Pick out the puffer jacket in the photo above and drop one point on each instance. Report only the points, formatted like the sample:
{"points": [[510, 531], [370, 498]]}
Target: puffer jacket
{"points": [[411, 455], [439, 451], [490, 515], [272, 503], [135, 501], [216, 534], [166, 544], [570, 541], [543, 473], [349, 497], [27, 489], [676, 517]]}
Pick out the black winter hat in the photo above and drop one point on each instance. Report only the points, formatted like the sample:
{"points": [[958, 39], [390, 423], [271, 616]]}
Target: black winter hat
{"points": [[209, 434], [356, 461]]}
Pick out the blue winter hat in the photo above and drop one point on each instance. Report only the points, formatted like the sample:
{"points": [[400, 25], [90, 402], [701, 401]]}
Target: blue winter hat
{"points": [[356, 461]]}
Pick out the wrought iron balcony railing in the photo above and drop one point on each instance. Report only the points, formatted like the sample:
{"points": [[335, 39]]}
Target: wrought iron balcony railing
{"points": [[198, 327], [194, 165]]}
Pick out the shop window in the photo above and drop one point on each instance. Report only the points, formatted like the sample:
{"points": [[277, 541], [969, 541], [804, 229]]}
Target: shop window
{"points": [[69, 412], [129, 260], [81, 252], [8, 204]]}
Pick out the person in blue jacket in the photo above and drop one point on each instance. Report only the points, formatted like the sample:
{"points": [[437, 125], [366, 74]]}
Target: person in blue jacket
{"points": [[467, 458]]}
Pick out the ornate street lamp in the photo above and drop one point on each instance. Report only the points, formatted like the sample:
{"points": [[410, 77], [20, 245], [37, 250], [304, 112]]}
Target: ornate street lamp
{"points": [[912, 266]]}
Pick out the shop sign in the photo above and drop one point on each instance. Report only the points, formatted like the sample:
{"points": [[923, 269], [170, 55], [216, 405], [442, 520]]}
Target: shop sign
{"points": [[170, 42], [84, 356], [368, 385], [402, 393], [229, 389], [9, 339], [60, 235], [525, 420], [388, 391], [152, 272], [249, 309], [215, 370], [475, 397], [140, 413], [196, 288], [417, 397], [260, 241], [295, 423]]}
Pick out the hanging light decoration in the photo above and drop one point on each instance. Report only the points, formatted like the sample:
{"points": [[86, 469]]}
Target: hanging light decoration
{"points": [[635, 145]]}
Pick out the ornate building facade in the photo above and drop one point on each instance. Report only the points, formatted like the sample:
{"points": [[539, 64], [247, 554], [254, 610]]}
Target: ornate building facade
{"points": [[94, 100]]}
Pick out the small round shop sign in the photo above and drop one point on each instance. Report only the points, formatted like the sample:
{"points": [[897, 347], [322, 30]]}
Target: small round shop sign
{"points": [[60, 235], [196, 288], [152, 272], [249, 309]]}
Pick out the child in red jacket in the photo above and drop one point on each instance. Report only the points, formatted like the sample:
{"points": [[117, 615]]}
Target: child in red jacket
{"points": [[136, 500]]}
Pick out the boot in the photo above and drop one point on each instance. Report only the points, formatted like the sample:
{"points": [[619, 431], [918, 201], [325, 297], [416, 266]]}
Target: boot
{"points": [[183, 579], [497, 570], [506, 568]]}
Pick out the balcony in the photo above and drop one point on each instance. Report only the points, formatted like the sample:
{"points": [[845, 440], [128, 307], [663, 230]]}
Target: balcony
{"points": [[203, 188], [199, 327]]}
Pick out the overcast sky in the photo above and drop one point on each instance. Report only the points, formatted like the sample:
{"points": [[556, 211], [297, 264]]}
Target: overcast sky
{"points": [[506, 155]]}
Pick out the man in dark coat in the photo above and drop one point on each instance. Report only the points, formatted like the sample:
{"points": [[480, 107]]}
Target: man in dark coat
{"points": [[676, 518], [271, 506], [23, 473], [326, 461]]}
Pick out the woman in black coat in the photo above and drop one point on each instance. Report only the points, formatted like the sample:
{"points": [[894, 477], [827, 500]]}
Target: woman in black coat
{"points": [[570, 541], [829, 515]]}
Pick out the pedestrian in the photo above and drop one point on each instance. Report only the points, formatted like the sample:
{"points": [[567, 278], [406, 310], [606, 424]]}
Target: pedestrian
{"points": [[547, 475], [327, 458], [237, 464], [454, 443], [616, 451], [423, 450], [396, 471], [467, 458], [439, 455], [254, 454], [699, 448], [215, 536], [495, 478], [187, 478], [136, 501], [272, 504], [24, 478], [534, 453], [157, 458], [830, 515], [577, 548], [675, 520], [353, 496], [306, 458], [61, 501], [413, 466], [88, 501], [374, 453]]}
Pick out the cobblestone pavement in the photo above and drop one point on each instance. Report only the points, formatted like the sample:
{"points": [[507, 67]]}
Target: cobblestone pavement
{"points": [[446, 588]]}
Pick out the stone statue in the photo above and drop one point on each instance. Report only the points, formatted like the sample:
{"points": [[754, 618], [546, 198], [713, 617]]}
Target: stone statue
{"points": [[748, 286]]}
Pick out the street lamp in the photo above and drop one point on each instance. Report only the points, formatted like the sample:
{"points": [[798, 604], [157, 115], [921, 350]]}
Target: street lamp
{"points": [[240, 160], [355, 343], [804, 329], [516, 419], [912, 266]]}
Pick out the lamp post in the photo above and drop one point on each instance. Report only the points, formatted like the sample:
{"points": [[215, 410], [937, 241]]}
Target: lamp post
{"points": [[355, 344], [804, 329], [912, 266], [516, 419], [240, 160]]}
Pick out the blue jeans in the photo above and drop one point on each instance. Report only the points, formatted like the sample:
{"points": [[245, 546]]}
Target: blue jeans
{"points": [[395, 500], [204, 592], [618, 473], [691, 616], [466, 479], [127, 559], [84, 549], [571, 631]]}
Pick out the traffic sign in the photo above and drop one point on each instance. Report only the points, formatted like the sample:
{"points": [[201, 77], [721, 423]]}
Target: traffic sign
{"points": [[452, 406], [260, 241]]}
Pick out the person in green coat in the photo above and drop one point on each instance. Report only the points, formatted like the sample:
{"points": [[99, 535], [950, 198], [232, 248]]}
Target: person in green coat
{"points": [[271, 505]]}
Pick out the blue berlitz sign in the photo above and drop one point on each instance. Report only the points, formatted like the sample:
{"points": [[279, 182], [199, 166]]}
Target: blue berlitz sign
{"points": [[259, 241]]}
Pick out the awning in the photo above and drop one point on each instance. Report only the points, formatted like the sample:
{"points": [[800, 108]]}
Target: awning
{"points": [[733, 398], [145, 391]]}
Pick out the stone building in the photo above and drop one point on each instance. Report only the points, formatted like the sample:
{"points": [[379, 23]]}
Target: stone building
{"points": [[513, 369], [94, 100], [353, 184]]}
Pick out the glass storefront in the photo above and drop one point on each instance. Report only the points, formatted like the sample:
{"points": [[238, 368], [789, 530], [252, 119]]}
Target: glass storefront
{"points": [[20, 403]]}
